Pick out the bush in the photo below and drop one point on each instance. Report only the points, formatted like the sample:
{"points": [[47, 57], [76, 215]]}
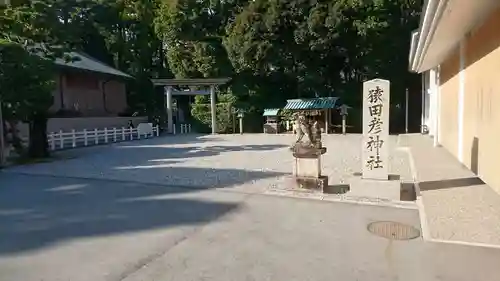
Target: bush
{"points": [[202, 116], [66, 113]]}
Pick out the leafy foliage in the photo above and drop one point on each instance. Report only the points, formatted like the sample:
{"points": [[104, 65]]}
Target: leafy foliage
{"points": [[26, 82], [273, 50], [280, 49], [32, 38]]}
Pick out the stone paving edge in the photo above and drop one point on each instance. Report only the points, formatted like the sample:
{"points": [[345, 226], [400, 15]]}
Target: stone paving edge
{"points": [[426, 236], [343, 199]]}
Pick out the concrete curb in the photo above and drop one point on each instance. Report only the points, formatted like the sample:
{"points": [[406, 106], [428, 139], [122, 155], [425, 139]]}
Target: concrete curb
{"points": [[426, 233], [343, 199]]}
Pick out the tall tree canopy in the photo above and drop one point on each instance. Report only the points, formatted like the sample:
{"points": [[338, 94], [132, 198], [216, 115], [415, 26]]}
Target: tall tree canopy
{"points": [[272, 49], [32, 37], [280, 49]]}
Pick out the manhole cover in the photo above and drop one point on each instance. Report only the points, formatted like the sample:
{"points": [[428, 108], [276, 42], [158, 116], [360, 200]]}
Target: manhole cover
{"points": [[393, 230]]}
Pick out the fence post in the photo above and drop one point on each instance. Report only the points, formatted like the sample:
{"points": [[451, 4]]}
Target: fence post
{"points": [[131, 133], [189, 128], [114, 134], [96, 139], [73, 137], [85, 137], [123, 133], [61, 140], [52, 141], [106, 135]]}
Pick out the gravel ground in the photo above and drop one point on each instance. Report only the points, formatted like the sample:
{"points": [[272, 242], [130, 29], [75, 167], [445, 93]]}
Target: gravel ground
{"points": [[252, 162], [109, 214]]}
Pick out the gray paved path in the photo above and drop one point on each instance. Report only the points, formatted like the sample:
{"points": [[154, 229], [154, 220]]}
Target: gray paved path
{"points": [[458, 205], [74, 223]]}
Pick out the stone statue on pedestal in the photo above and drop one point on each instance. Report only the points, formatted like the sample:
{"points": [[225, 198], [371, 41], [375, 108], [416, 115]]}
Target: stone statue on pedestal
{"points": [[312, 132], [303, 128], [307, 150]]}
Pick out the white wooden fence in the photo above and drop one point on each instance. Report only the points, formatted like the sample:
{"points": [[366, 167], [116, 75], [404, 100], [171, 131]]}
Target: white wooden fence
{"points": [[184, 129], [62, 140]]}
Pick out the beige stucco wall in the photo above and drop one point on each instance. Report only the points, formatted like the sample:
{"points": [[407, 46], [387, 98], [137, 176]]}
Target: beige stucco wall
{"points": [[90, 123], [481, 115], [482, 101], [79, 124], [448, 115]]}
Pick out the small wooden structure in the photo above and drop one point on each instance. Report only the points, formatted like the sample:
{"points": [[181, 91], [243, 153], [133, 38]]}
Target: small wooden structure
{"points": [[320, 108], [271, 125]]}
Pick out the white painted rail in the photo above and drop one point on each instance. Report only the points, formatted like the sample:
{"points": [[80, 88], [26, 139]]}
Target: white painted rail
{"points": [[185, 128], [62, 140]]}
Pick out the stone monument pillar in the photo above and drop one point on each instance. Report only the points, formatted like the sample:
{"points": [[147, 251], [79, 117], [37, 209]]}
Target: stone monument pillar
{"points": [[307, 153], [375, 160], [374, 181]]}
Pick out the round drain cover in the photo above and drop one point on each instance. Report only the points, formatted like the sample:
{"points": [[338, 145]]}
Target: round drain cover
{"points": [[393, 230]]}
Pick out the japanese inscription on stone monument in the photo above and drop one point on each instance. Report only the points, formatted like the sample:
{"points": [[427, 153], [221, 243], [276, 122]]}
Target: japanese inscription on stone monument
{"points": [[375, 129]]}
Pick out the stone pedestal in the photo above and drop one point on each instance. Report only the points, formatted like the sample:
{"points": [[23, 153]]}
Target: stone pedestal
{"points": [[307, 168], [381, 189]]}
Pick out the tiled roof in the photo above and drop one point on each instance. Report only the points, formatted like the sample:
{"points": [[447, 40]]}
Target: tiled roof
{"points": [[311, 104], [88, 63], [271, 112]]}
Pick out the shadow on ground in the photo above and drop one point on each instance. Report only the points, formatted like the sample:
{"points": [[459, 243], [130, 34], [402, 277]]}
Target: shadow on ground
{"points": [[163, 152], [336, 189], [184, 139], [155, 141], [37, 211], [112, 190], [152, 161], [158, 162], [450, 183]]}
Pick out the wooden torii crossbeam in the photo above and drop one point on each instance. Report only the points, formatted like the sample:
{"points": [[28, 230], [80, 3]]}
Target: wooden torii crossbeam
{"points": [[169, 91]]}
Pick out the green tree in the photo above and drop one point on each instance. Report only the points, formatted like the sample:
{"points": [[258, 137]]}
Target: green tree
{"points": [[124, 32], [26, 85], [35, 33]]}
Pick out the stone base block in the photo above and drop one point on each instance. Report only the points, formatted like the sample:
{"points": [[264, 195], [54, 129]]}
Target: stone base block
{"points": [[311, 183], [307, 167], [381, 189]]}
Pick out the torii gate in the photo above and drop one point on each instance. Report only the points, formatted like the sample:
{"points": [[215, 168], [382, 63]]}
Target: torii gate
{"points": [[169, 84]]}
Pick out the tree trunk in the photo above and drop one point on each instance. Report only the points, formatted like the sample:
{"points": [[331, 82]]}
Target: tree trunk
{"points": [[15, 140], [38, 146]]}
